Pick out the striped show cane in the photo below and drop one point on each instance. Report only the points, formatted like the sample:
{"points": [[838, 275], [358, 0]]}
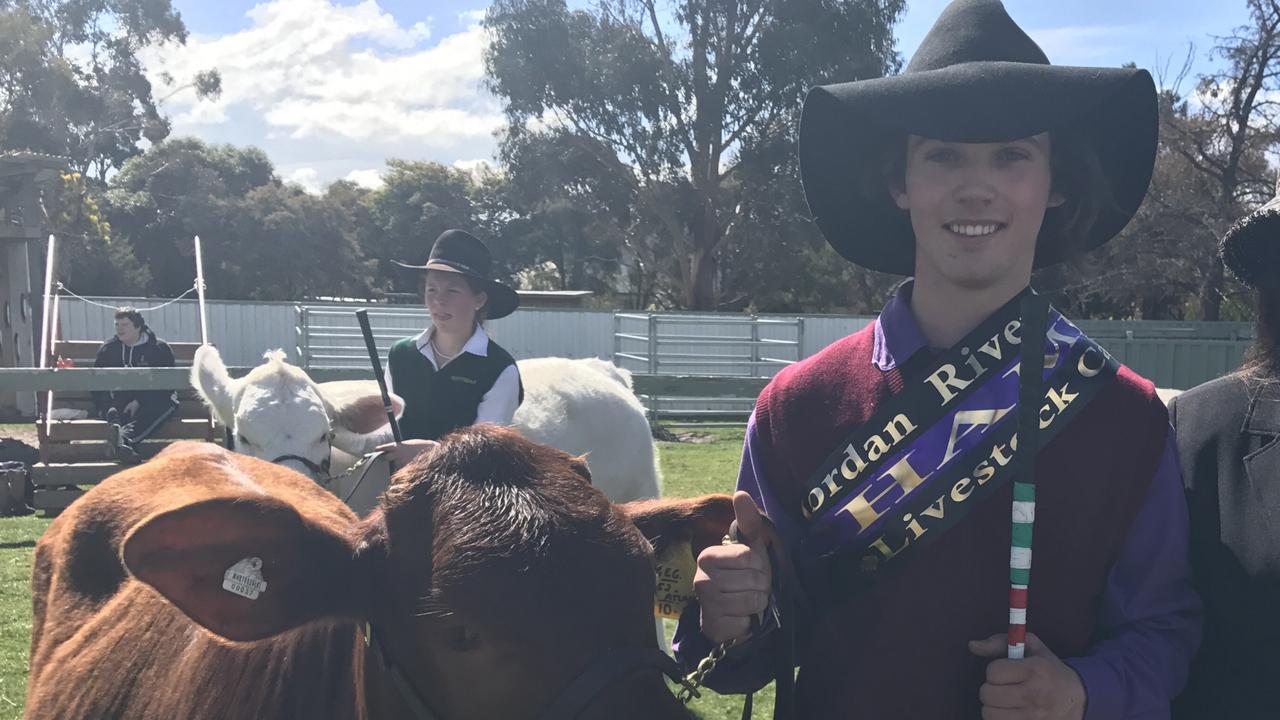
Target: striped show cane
{"points": [[1035, 318]]}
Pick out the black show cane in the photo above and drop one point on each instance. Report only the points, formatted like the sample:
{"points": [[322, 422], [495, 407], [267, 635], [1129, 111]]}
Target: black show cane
{"points": [[376, 361]]}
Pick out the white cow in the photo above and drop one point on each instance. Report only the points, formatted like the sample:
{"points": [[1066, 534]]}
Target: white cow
{"points": [[584, 407]]}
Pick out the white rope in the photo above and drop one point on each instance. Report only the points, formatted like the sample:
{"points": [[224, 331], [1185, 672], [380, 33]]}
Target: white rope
{"points": [[69, 291]]}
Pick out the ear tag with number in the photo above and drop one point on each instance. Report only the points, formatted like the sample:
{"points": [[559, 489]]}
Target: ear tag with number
{"points": [[674, 590], [245, 578]]}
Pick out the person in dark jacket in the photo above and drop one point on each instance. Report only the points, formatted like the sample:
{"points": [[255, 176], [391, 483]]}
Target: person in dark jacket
{"points": [[133, 414], [1228, 433]]}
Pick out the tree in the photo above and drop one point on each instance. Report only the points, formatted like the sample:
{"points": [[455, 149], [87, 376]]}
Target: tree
{"points": [[72, 82], [674, 101], [294, 245], [417, 202], [262, 239], [179, 189], [1228, 136], [559, 207]]}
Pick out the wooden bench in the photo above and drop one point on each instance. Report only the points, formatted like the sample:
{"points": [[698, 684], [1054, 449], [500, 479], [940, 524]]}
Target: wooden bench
{"points": [[76, 452]]}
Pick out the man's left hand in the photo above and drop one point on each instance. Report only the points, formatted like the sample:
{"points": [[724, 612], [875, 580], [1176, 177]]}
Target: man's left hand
{"points": [[1039, 687]]}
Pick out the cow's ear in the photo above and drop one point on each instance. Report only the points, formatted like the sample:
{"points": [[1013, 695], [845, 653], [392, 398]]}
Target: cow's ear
{"points": [[700, 521], [210, 379], [247, 568], [358, 413]]}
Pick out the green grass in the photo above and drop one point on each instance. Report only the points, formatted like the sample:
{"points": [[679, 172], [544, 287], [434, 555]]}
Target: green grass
{"points": [[688, 468], [17, 545], [696, 468]]}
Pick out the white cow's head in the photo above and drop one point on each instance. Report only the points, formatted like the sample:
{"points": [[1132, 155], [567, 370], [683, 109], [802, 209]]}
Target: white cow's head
{"points": [[277, 413]]}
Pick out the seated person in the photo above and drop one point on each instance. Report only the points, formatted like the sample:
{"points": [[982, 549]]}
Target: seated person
{"points": [[134, 414]]}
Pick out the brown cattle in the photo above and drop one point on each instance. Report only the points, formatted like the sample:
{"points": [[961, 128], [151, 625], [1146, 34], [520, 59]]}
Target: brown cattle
{"points": [[205, 584]]}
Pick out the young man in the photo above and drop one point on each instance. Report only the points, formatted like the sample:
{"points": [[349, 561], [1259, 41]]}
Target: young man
{"points": [[134, 415], [886, 461]]}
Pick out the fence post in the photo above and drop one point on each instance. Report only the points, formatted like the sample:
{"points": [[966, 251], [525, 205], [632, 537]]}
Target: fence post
{"points": [[653, 344], [303, 336], [800, 354], [755, 347]]}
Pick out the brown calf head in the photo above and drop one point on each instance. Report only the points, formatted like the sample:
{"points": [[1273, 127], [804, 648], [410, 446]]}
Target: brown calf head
{"points": [[494, 573]]}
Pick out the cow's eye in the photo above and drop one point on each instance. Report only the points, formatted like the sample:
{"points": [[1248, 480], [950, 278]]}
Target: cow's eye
{"points": [[461, 639]]}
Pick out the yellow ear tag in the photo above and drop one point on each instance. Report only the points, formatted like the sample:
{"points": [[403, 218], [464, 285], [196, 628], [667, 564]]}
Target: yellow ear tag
{"points": [[675, 581]]}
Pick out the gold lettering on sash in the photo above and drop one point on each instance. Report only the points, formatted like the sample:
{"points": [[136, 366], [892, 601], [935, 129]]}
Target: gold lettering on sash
{"points": [[935, 510], [899, 427], [875, 447], [993, 348], [1059, 399], [944, 380], [905, 478], [1012, 332], [960, 491], [914, 526], [1088, 370], [984, 472], [886, 551], [970, 420], [972, 362], [998, 454]]}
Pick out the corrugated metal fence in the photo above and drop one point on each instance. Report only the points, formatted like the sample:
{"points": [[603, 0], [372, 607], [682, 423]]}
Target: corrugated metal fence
{"points": [[1172, 354]]}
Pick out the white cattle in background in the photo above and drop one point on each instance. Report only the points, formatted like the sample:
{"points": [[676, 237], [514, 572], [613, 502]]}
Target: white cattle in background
{"points": [[277, 413]]}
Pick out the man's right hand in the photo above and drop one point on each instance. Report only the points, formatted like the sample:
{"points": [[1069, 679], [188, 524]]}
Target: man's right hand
{"points": [[733, 582]]}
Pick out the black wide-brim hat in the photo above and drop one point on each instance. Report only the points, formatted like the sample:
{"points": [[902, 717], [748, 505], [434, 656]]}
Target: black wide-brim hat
{"points": [[1251, 248], [457, 251], [977, 78]]}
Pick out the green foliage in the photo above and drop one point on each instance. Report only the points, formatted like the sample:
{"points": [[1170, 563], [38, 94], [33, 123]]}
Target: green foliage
{"points": [[667, 106], [72, 82]]}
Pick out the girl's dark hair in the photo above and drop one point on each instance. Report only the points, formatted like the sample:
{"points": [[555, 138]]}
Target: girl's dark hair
{"points": [[1262, 361], [1075, 170]]}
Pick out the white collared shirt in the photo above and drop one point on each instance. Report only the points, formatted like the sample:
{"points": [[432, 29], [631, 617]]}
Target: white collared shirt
{"points": [[499, 404]]}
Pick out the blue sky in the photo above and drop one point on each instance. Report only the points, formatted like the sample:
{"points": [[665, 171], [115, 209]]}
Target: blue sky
{"points": [[332, 88]]}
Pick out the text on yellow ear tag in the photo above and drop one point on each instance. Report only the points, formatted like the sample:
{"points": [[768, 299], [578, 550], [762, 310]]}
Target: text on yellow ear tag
{"points": [[674, 590]]}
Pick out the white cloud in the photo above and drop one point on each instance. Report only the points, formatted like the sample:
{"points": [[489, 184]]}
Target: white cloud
{"points": [[307, 177], [371, 178], [472, 166], [321, 73], [471, 17]]}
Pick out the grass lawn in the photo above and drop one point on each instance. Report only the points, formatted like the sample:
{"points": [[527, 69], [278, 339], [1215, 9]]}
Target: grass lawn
{"points": [[706, 464], [709, 464]]}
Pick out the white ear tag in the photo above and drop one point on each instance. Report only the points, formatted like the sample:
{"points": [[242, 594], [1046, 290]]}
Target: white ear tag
{"points": [[245, 578]]}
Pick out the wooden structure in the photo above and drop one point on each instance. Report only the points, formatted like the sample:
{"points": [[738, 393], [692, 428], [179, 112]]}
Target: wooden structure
{"points": [[22, 175], [76, 452]]}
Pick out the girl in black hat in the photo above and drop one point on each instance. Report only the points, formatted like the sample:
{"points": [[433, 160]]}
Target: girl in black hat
{"points": [[452, 374], [1229, 444], [887, 461]]}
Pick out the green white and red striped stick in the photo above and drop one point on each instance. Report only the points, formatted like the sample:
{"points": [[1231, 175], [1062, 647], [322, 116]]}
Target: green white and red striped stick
{"points": [[1035, 318]]}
